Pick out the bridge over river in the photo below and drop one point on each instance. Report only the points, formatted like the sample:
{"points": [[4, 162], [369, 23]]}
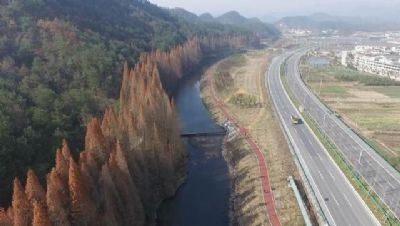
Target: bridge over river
{"points": [[188, 134]]}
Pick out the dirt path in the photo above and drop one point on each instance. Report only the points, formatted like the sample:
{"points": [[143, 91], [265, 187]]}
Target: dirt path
{"points": [[264, 177], [264, 131]]}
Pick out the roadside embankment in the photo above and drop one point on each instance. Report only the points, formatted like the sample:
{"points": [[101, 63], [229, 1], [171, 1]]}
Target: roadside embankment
{"points": [[239, 83]]}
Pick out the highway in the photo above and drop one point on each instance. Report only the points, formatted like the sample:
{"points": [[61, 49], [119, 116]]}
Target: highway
{"points": [[379, 174], [338, 200]]}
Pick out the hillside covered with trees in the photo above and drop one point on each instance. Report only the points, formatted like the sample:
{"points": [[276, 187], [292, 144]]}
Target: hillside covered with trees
{"points": [[319, 22], [60, 65], [133, 157], [230, 19]]}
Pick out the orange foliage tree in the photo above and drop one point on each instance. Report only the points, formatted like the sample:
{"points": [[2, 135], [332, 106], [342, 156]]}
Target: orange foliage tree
{"points": [[133, 157]]}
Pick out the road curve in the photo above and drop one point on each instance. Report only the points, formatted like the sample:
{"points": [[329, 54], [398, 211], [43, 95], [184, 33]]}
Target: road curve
{"points": [[338, 200], [381, 176], [268, 196]]}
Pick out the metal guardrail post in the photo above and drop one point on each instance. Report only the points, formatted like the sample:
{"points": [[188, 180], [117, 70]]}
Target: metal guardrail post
{"points": [[303, 170], [300, 201], [359, 179]]}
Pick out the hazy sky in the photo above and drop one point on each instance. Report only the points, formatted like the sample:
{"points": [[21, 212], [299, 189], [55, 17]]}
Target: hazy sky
{"points": [[375, 8]]}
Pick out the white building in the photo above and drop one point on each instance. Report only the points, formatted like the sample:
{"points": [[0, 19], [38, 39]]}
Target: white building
{"points": [[375, 59], [344, 58], [395, 50], [377, 65]]}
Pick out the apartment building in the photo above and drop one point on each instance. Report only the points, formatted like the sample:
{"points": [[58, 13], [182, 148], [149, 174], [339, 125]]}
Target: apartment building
{"points": [[379, 60], [378, 65]]}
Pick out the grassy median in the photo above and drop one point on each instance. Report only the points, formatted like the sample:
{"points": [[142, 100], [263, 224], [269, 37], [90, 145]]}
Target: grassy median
{"points": [[378, 208], [369, 104]]}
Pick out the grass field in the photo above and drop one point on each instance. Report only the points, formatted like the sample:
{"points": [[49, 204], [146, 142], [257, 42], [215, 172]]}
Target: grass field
{"points": [[379, 121], [371, 105], [330, 89], [390, 91]]}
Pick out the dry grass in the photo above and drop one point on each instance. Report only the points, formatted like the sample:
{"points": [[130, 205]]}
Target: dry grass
{"points": [[373, 111], [264, 128]]}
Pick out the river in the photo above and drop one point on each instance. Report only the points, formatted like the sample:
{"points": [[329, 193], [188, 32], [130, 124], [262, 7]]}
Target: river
{"points": [[204, 198]]}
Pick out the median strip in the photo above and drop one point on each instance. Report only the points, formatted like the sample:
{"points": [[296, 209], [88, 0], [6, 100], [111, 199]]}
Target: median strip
{"points": [[379, 209]]}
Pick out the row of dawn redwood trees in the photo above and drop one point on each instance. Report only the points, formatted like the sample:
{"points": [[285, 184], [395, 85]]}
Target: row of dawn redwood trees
{"points": [[185, 59], [133, 157]]}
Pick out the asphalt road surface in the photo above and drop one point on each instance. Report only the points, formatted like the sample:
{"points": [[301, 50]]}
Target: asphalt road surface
{"points": [[379, 174], [338, 200]]}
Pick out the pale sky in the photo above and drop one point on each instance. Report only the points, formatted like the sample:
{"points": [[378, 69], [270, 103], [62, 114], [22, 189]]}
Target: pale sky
{"points": [[388, 9]]}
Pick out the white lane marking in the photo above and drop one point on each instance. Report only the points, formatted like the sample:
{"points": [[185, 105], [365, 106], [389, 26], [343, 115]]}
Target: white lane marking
{"points": [[333, 178], [320, 157], [347, 130], [286, 128], [341, 173], [308, 153], [321, 174], [337, 203], [347, 200]]}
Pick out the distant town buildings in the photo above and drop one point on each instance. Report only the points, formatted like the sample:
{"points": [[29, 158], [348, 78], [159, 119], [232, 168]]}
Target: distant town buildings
{"points": [[344, 58], [298, 32], [379, 60]]}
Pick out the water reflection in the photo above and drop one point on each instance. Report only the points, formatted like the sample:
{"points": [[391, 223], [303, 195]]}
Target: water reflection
{"points": [[204, 198]]}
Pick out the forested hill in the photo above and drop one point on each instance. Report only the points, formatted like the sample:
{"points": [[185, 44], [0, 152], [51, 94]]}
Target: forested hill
{"points": [[133, 157], [231, 19], [60, 64], [318, 22]]}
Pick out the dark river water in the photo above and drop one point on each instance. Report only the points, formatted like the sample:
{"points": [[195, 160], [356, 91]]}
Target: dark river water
{"points": [[317, 61], [203, 200]]}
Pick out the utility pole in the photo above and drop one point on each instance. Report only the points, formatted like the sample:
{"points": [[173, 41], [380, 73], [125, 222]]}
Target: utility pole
{"points": [[320, 86]]}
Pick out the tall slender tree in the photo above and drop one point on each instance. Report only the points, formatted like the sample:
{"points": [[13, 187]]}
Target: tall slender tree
{"points": [[34, 189], [21, 206], [83, 210], [57, 199], [4, 219], [40, 215]]}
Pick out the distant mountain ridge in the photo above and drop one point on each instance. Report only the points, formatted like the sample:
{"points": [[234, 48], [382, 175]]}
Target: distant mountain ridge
{"points": [[232, 18], [322, 21]]}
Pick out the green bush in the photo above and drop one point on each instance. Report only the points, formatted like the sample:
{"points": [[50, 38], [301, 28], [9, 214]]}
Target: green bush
{"points": [[244, 100]]}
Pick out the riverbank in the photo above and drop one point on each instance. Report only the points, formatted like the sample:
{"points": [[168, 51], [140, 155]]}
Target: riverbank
{"points": [[208, 181], [239, 83]]}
